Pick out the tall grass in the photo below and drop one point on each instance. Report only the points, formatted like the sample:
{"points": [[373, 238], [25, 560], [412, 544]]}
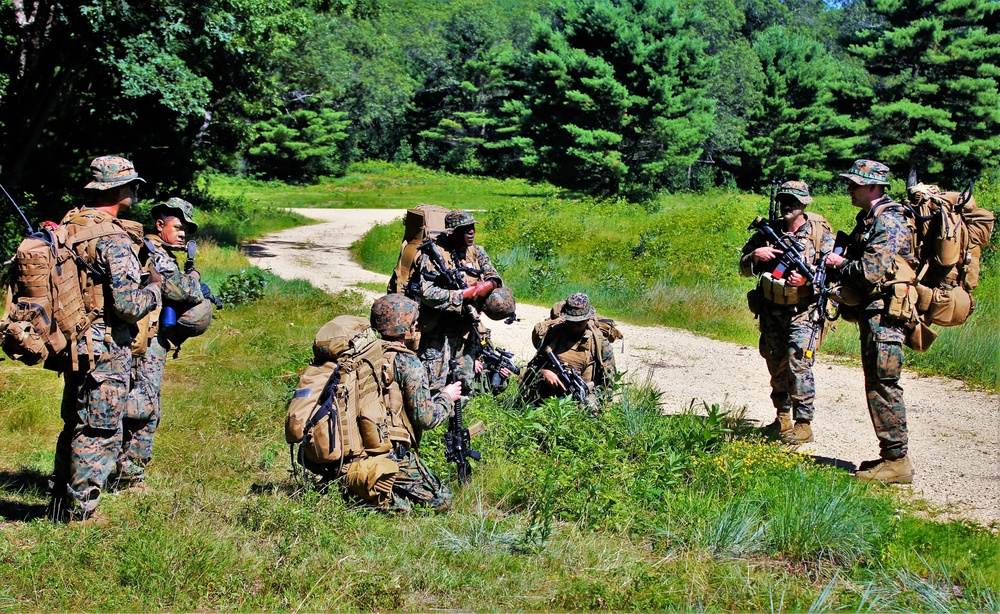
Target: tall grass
{"points": [[633, 510]]}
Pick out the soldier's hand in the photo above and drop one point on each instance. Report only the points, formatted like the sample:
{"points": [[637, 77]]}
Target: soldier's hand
{"points": [[766, 253], [553, 379], [155, 279], [478, 367], [835, 260], [796, 279], [453, 391]]}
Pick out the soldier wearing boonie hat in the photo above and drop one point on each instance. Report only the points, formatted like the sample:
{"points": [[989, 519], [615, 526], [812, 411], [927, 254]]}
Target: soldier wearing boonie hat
{"points": [[577, 342], [191, 315], [784, 307], [449, 315], [94, 395], [880, 251]]}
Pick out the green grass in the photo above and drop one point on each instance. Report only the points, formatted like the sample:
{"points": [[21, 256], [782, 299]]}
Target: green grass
{"points": [[634, 511]]}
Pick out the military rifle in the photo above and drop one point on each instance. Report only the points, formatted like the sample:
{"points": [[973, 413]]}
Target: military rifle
{"points": [[495, 360], [791, 257], [773, 208], [458, 439], [569, 377], [822, 290], [31, 230]]}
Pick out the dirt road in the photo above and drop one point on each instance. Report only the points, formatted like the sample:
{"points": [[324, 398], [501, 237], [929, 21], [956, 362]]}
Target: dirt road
{"points": [[954, 432]]}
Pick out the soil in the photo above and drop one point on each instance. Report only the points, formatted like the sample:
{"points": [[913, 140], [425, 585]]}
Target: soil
{"points": [[954, 431]]}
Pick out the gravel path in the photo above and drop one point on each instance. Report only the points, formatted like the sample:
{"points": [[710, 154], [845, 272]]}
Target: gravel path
{"points": [[954, 432]]}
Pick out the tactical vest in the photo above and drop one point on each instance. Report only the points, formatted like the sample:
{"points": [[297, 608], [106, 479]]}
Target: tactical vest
{"points": [[401, 430], [778, 291], [897, 286]]}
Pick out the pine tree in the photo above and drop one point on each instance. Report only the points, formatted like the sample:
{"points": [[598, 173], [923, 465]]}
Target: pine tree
{"points": [[936, 65]]}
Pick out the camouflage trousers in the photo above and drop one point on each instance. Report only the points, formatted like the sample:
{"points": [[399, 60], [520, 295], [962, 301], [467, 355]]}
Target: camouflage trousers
{"points": [[92, 406], [416, 485], [882, 359], [436, 353], [142, 412], [784, 337]]}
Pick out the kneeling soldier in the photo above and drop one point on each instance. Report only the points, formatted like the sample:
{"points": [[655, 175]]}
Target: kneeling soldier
{"points": [[412, 408]]}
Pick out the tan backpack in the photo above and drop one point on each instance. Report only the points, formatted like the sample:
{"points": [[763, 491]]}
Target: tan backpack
{"points": [[338, 416], [421, 223], [951, 231], [54, 294]]}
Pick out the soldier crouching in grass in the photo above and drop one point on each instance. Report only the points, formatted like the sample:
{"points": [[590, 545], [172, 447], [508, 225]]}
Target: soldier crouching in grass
{"points": [[412, 408], [572, 341], [879, 256], [784, 307]]}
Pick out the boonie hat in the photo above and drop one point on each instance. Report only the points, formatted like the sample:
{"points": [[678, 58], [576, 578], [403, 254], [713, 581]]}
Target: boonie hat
{"points": [[110, 172], [457, 218], [181, 207], [867, 172], [577, 308], [798, 189]]}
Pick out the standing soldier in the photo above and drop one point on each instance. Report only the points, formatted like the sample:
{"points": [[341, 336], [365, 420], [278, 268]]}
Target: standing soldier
{"points": [[94, 396], [412, 408], [449, 314], [784, 307], [879, 257], [181, 293]]}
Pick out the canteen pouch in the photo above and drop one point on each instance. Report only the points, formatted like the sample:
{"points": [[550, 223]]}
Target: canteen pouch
{"points": [[950, 306], [371, 479], [920, 337], [754, 299], [777, 291]]}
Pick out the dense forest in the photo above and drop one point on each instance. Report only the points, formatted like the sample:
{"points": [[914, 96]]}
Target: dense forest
{"points": [[615, 97]]}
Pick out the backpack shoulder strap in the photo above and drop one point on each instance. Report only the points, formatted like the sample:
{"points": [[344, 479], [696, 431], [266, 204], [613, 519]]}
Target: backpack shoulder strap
{"points": [[817, 225]]}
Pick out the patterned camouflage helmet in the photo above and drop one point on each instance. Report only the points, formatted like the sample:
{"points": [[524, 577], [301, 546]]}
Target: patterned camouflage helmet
{"points": [[193, 322], [577, 308], [179, 208], [867, 172], [457, 218], [111, 172], [393, 315], [797, 189], [500, 305]]}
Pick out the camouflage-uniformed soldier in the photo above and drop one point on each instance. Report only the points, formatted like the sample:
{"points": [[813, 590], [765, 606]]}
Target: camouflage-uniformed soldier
{"points": [[784, 307], [181, 291], [94, 396], [448, 316], [412, 407], [578, 343], [881, 249]]}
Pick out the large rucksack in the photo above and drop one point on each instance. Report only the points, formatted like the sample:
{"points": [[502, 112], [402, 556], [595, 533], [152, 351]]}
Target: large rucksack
{"points": [[53, 293], [337, 422], [421, 223], [950, 231]]}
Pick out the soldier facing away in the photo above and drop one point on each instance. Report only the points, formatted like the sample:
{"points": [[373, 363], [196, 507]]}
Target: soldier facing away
{"points": [[94, 395], [182, 293], [879, 254], [449, 315], [412, 407], [784, 309]]}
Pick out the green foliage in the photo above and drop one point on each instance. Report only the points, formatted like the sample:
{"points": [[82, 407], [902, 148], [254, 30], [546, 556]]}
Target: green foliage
{"points": [[242, 288], [611, 94], [936, 93], [300, 145]]}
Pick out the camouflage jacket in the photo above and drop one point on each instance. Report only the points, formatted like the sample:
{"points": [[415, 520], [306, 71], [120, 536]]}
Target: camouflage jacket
{"points": [[473, 265], [578, 352], [878, 237], [177, 286], [424, 411]]}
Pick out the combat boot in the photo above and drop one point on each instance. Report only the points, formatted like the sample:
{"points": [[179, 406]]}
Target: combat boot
{"points": [[899, 471], [781, 425], [799, 434]]}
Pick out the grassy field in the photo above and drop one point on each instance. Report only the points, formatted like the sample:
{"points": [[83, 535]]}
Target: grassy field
{"points": [[636, 511]]}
